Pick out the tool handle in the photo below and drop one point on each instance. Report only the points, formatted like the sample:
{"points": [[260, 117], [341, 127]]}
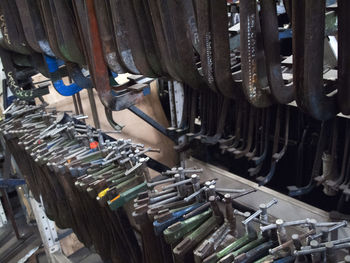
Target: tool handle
{"points": [[126, 196]]}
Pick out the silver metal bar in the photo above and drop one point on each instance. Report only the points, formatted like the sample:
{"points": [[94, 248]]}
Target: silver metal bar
{"points": [[228, 190], [3, 218], [291, 223], [177, 184], [247, 214], [258, 212], [46, 228], [186, 171], [190, 197], [161, 182], [162, 197], [172, 199]]}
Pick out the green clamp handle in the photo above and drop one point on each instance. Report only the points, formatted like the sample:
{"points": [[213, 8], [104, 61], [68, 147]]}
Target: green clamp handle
{"points": [[126, 196], [176, 231]]}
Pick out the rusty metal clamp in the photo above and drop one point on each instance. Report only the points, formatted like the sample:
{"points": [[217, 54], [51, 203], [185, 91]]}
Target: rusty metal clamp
{"points": [[88, 28], [255, 84], [308, 45], [281, 93]]}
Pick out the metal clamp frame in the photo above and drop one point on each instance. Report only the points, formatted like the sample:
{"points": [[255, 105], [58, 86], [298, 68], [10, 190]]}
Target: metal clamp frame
{"points": [[46, 228]]}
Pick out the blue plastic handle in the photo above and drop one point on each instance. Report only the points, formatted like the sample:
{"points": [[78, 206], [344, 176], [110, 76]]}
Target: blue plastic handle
{"points": [[64, 90], [114, 74], [159, 227], [285, 34], [4, 183], [285, 260]]}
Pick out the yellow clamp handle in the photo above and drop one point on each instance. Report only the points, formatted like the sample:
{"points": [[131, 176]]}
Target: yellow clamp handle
{"points": [[103, 193]]}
